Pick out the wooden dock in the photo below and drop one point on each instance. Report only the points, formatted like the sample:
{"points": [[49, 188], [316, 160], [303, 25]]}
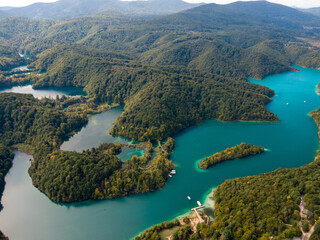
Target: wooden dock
{"points": [[196, 211]]}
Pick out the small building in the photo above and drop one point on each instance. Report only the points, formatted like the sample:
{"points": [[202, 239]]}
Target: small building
{"points": [[307, 212]]}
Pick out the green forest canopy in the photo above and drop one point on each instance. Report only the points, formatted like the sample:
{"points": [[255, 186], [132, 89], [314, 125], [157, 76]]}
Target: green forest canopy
{"points": [[159, 101], [99, 174], [239, 151]]}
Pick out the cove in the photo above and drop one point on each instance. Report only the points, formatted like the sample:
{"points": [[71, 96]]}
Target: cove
{"points": [[51, 92], [97, 132], [30, 215]]}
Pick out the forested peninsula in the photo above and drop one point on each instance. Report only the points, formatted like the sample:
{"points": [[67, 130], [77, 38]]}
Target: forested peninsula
{"points": [[42, 125], [239, 151], [99, 174]]}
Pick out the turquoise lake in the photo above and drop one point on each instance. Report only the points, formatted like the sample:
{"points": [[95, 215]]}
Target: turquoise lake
{"points": [[30, 215]]}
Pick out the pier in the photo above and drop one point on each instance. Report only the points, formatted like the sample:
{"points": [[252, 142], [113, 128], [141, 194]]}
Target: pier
{"points": [[196, 211]]}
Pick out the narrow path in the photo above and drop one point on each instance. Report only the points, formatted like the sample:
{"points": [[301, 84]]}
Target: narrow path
{"points": [[305, 236]]}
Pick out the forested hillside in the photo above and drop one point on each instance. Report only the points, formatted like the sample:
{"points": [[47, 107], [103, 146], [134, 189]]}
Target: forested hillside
{"points": [[9, 58], [231, 23], [143, 63], [159, 101], [65, 9], [315, 11], [38, 123]]}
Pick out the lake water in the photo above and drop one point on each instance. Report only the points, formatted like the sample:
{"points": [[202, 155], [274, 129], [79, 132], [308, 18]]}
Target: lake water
{"points": [[129, 152], [51, 92], [44, 92], [25, 55], [97, 132], [30, 215], [20, 68]]}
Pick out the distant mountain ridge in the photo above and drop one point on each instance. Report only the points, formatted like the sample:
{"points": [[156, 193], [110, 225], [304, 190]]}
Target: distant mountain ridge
{"points": [[65, 9], [314, 11]]}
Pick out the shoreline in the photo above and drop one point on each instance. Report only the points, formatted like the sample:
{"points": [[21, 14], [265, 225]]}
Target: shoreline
{"points": [[208, 202], [250, 121]]}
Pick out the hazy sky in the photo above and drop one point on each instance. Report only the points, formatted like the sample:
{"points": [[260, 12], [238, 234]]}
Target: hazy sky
{"points": [[297, 3], [18, 3]]}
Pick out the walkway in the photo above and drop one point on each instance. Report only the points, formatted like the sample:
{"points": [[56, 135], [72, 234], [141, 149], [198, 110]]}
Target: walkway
{"points": [[305, 236]]}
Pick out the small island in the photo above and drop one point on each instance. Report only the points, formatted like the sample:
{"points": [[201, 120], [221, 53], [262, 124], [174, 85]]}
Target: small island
{"points": [[238, 151]]}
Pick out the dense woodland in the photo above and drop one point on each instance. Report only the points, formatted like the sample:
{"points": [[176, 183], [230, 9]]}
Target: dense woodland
{"points": [[9, 58], [38, 123], [68, 9], [152, 233], [6, 157], [239, 151], [99, 174], [16, 80], [159, 101]]}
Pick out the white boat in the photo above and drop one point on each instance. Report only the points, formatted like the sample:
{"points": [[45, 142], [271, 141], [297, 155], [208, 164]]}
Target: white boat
{"points": [[287, 103], [173, 172], [189, 198], [199, 203], [305, 101], [169, 175]]}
